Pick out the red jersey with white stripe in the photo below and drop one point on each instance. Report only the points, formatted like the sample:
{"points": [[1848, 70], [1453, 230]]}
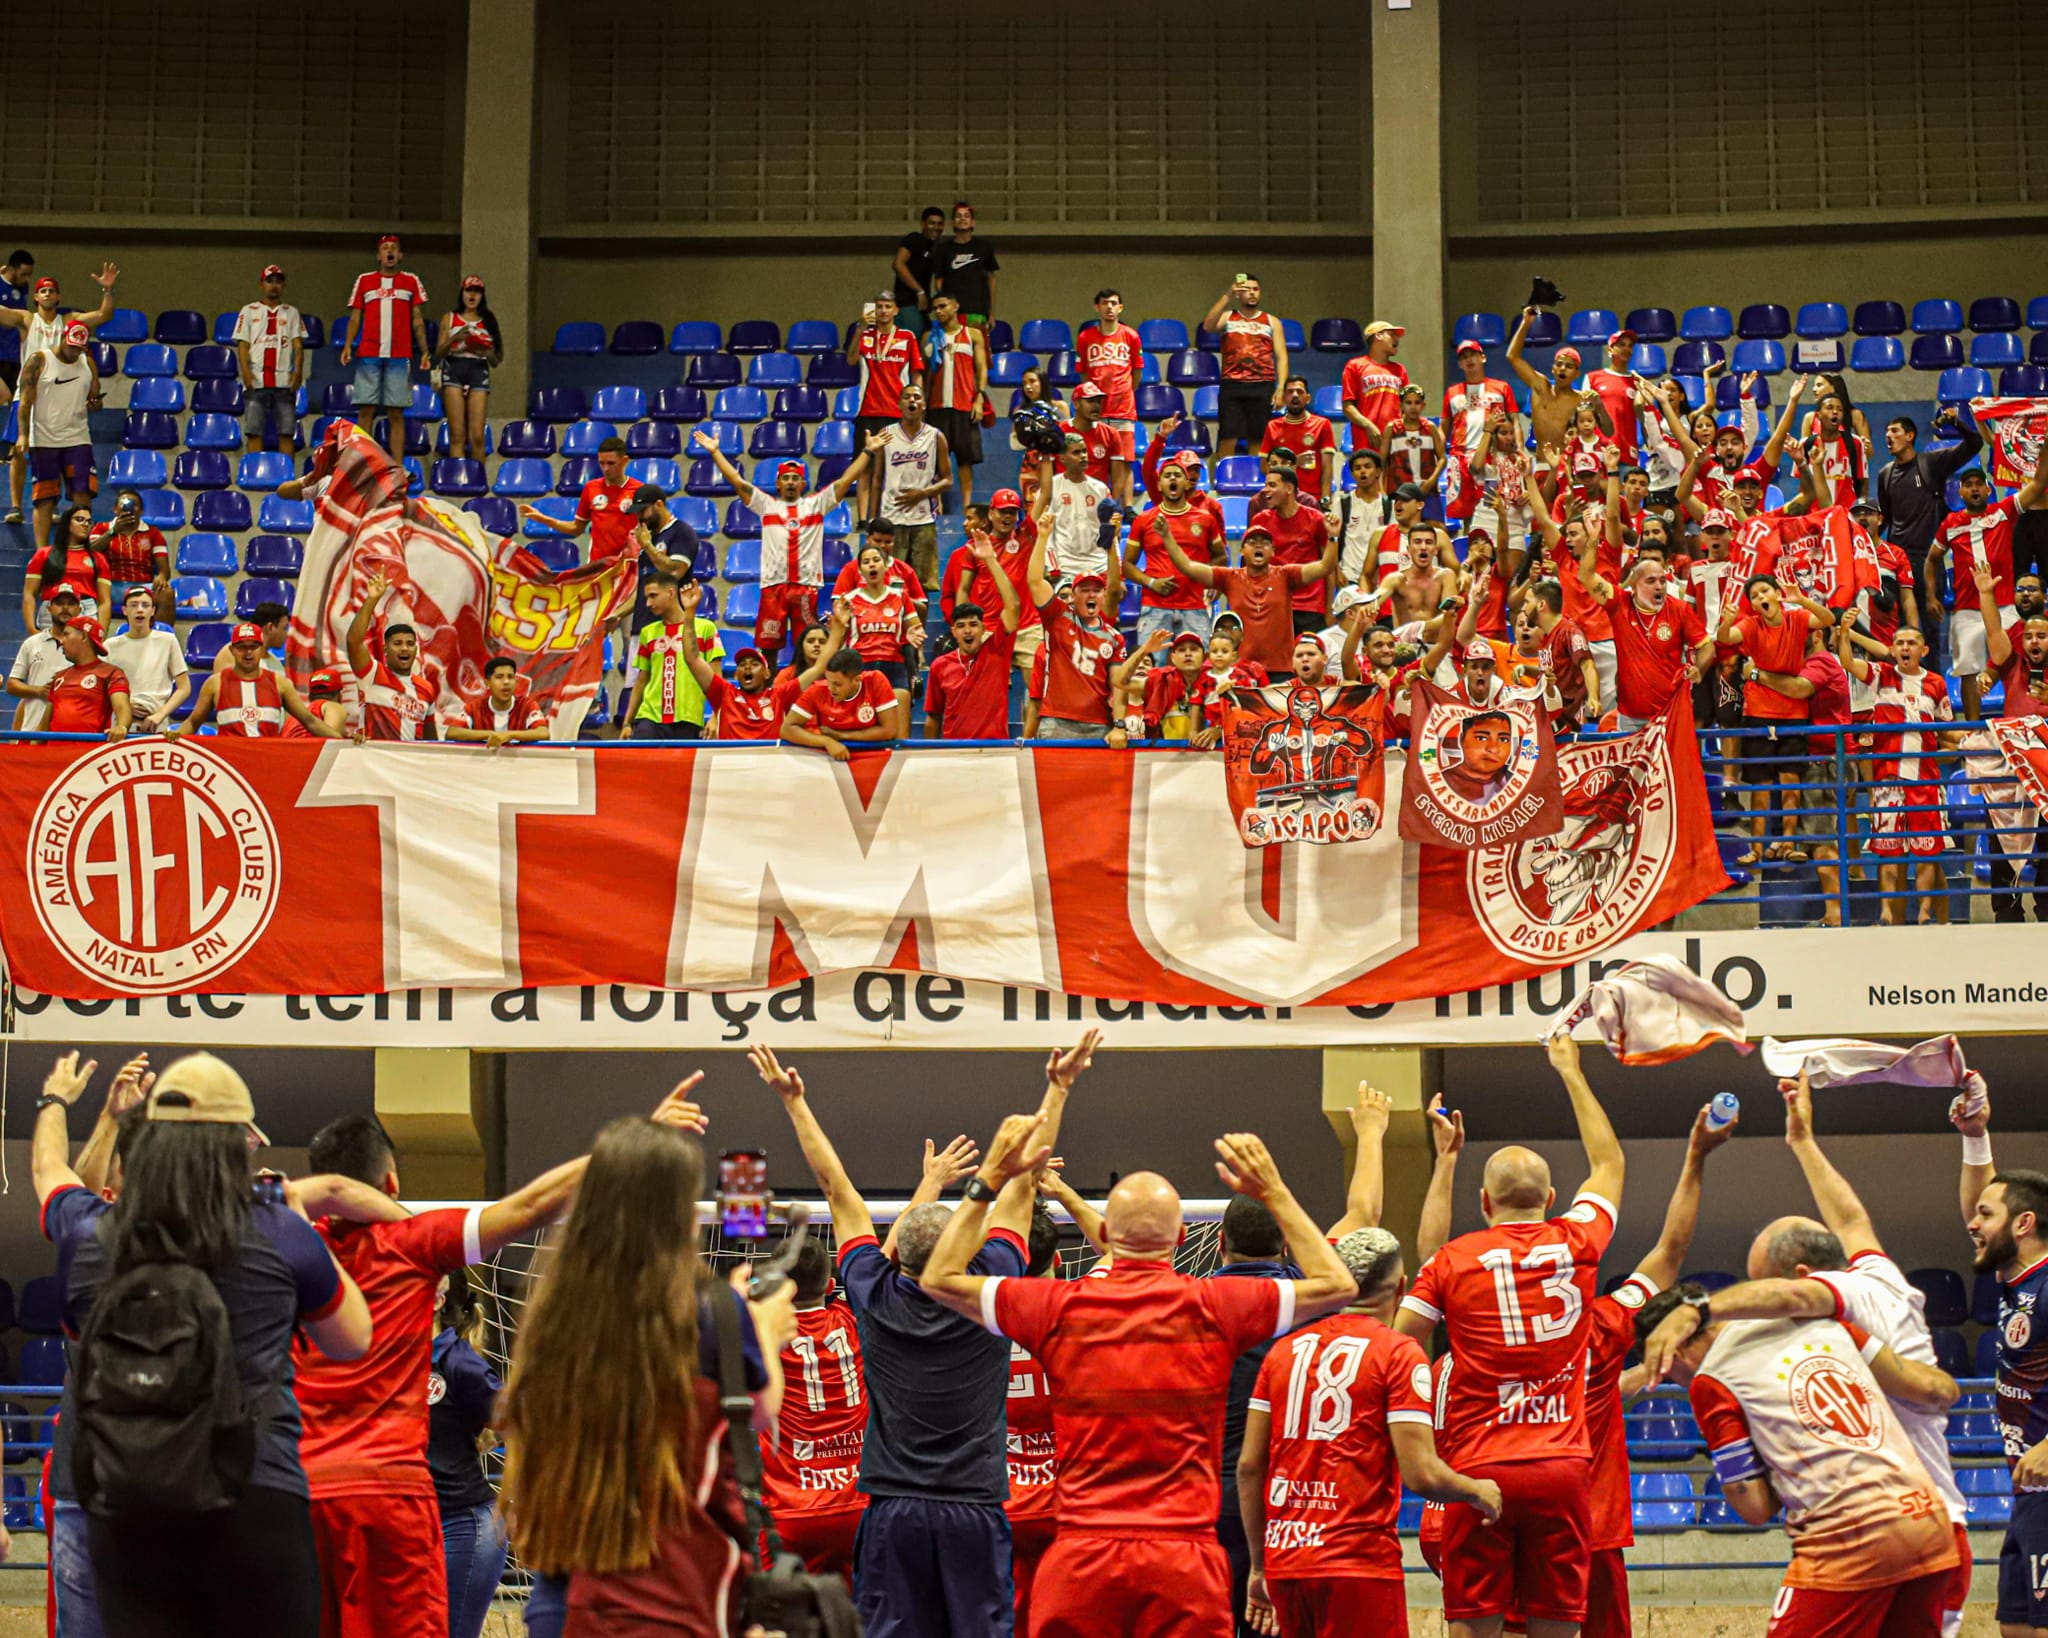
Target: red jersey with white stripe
{"points": [[270, 332], [1844, 462], [1034, 1448], [887, 364], [1113, 360], [1139, 1361], [366, 1419], [1611, 1334], [252, 707], [1894, 570], [1334, 1390], [1077, 675], [395, 707], [1907, 755], [515, 718], [792, 536], [811, 1465], [956, 377], [880, 622], [1467, 404], [387, 302], [1515, 1300], [1987, 536], [740, 715]]}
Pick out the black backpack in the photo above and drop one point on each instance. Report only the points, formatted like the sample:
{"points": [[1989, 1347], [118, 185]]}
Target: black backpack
{"points": [[163, 1427]]}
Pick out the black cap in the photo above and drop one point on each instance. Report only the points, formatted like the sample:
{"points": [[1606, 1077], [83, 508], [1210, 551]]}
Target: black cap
{"points": [[645, 496], [1410, 492]]}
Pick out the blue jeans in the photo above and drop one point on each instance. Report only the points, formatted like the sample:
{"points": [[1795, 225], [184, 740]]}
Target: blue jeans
{"points": [[475, 1542], [547, 1607], [386, 382], [1173, 622], [78, 1607]]}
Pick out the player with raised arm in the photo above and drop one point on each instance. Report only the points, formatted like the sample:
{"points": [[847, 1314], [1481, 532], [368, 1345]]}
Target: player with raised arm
{"points": [[1515, 1298], [1140, 1363], [932, 1556]]}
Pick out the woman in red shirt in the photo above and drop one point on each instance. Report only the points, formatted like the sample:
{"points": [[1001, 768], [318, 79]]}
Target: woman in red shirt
{"points": [[1772, 638], [68, 560], [883, 623]]}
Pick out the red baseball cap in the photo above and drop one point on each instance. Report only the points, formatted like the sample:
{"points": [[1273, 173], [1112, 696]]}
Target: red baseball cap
{"points": [[742, 653], [1469, 346], [1626, 335], [473, 282], [1091, 578], [247, 632], [77, 334], [1717, 518], [46, 283], [387, 239], [91, 629], [1187, 637], [273, 271], [1005, 499], [1191, 459], [1571, 353], [1088, 389], [786, 467]]}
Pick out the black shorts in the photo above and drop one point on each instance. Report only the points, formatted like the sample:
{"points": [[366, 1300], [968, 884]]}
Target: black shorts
{"points": [[648, 728], [2022, 1602], [1307, 622], [10, 372], [866, 426], [895, 670], [1785, 745], [1242, 410], [962, 432], [470, 372]]}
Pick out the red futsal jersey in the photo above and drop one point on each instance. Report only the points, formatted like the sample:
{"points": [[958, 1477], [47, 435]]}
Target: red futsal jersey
{"points": [[387, 302], [603, 508], [881, 622], [1374, 389], [1140, 1367], [1987, 536], [1334, 1389], [1034, 1449], [1112, 359], [1514, 1299], [887, 364], [366, 1419], [1077, 675], [395, 707], [741, 715], [515, 718], [82, 698], [1305, 440], [971, 698], [1197, 533], [1579, 607], [1300, 539], [1612, 1333], [816, 708], [1650, 653], [812, 1464], [252, 707]]}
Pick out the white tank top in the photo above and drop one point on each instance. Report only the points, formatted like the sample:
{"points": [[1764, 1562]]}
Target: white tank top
{"points": [[60, 412], [909, 463], [42, 332]]}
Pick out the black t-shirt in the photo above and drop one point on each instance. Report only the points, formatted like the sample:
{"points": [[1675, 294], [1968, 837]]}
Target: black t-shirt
{"points": [[1244, 1377], [920, 249], [678, 542], [963, 271]]}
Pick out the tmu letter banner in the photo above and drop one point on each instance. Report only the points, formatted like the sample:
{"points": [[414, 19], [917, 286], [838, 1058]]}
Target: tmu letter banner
{"points": [[287, 867]]}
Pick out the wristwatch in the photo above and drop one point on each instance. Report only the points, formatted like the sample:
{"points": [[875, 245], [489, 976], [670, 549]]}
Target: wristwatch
{"points": [[977, 1189]]}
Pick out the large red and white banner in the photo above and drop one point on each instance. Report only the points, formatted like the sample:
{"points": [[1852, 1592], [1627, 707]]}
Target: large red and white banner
{"points": [[2016, 428], [291, 867]]}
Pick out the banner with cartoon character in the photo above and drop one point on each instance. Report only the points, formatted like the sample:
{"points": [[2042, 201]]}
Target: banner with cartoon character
{"points": [[2015, 428], [1305, 763], [471, 597], [1477, 775]]}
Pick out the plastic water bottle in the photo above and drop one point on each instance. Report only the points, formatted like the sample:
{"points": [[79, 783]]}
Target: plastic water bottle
{"points": [[1723, 1111]]}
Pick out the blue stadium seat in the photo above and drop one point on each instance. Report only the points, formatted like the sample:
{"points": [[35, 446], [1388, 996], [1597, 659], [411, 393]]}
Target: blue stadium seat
{"points": [[809, 336], [582, 339], [1653, 323], [576, 471], [1328, 402], [1764, 321], [137, 469], [833, 438], [1007, 369], [2037, 349], [212, 432], [622, 404], [740, 522], [1695, 357], [558, 554], [1695, 390], [457, 479], [696, 336], [426, 403], [1948, 1303], [1149, 373], [636, 338], [224, 328], [1061, 371], [664, 474], [213, 396], [1994, 313], [742, 608], [754, 336], [207, 554], [1662, 1430], [337, 399], [1237, 512], [163, 508], [1239, 475], [743, 562], [712, 371], [204, 642], [1973, 1426], [1194, 369], [522, 477], [845, 404], [1823, 320], [705, 479], [496, 515], [1987, 1353], [552, 506], [263, 469], [1046, 336], [838, 525], [583, 437], [1297, 340], [557, 404], [1158, 402], [1706, 324], [199, 597], [209, 362], [740, 404], [279, 516], [1546, 329], [805, 404], [1951, 1353], [260, 589], [1663, 1501], [1193, 435], [1995, 350], [1877, 355], [658, 438], [677, 404], [831, 371], [1984, 1299], [1648, 359], [2023, 381], [202, 469], [149, 429], [1336, 335], [1163, 335], [278, 556], [1937, 316], [148, 358], [777, 439], [699, 514], [1591, 326], [1960, 384], [180, 327], [1879, 318], [1715, 1513], [158, 392], [1987, 1493], [1488, 329], [774, 370], [2037, 313], [1763, 357], [124, 325]]}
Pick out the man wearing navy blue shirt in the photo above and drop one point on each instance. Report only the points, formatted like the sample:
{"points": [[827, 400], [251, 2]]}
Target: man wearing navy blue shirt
{"points": [[2007, 1215], [932, 1557]]}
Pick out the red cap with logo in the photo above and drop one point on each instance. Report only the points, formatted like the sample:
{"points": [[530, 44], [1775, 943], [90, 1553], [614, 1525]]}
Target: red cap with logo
{"points": [[76, 335], [1470, 346], [387, 239], [1005, 500], [1717, 518], [1088, 389], [791, 468], [247, 632], [273, 271], [473, 282], [90, 629]]}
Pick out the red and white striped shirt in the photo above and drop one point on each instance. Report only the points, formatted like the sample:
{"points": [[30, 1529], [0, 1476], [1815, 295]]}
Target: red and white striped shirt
{"points": [[792, 536], [387, 302], [955, 380], [1922, 697], [250, 706], [395, 707], [270, 333]]}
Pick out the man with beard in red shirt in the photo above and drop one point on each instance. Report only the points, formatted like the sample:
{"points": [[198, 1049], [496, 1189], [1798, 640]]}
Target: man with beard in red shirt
{"points": [[967, 691], [1172, 603], [1310, 439], [752, 705], [1299, 534]]}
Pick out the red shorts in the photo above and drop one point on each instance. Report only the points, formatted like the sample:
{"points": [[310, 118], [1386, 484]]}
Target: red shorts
{"points": [[1906, 1609], [1029, 1539], [383, 1571], [1340, 1605], [1119, 439], [785, 611], [1907, 819], [1111, 1586], [1536, 1555], [822, 1539], [1958, 1594], [1429, 1538], [1607, 1611]]}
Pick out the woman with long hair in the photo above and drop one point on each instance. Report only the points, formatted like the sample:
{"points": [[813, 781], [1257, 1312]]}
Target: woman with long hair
{"points": [[618, 1483], [187, 1196], [1033, 388], [68, 559], [883, 625], [461, 1391], [470, 344]]}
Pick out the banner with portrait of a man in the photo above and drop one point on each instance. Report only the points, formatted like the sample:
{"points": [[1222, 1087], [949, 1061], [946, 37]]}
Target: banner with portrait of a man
{"points": [[1478, 775]]}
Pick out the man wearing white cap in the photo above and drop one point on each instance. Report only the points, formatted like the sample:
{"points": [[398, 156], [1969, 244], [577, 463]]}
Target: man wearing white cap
{"points": [[1350, 608], [270, 343], [1373, 383], [60, 387]]}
